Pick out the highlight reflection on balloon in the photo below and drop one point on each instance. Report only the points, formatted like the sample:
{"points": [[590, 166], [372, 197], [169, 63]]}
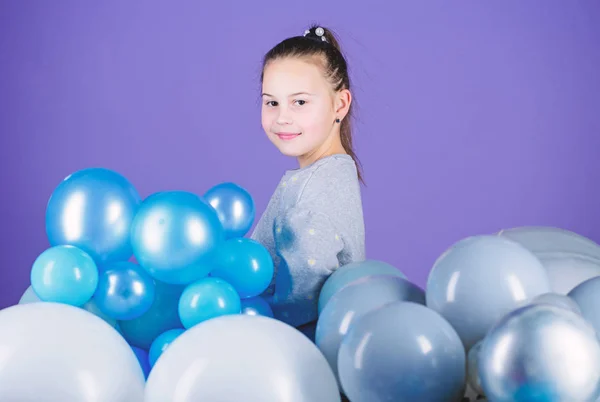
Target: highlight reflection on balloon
{"points": [[174, 236], [93, 209], [234, 206], [541, 353], [125, 291]]}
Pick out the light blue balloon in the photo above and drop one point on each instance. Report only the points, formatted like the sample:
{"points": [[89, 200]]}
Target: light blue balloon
{"points": [[208, 298], [29, 296], [479, 280], [354, 301], [587, 297], [161, 344], [557, 300], [162, 316], [235, 208], [245, 264], [125, 291], [402, 352], [256, 306], [93, 209], [540, 353], [64, 274], [351, 272], [174, 236]]}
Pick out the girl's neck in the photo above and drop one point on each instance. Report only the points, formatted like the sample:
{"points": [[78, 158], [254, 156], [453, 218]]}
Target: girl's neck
{"points": [[326, 150]]}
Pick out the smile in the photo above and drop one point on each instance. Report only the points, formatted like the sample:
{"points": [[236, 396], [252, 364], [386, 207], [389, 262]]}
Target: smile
{"points": [[287, 136]]}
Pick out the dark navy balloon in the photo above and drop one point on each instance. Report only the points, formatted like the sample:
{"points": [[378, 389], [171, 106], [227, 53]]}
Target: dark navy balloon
{"points": [[174, 236], [93, 209], [235, 208]]}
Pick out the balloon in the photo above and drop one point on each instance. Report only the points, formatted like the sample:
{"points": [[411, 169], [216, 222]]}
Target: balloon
{"points": [[246, 265], [567, 270], [541, 240], [540, 353], [352, 302], [479, 280], [174, 236], [207, 298], [256, 306], [92, 307], [351, 272], [267, 360], [162, 316], [29, 296], [64, 274], [402, 351], [93, 209], [473, 368], [161, 344], [587, 297], [557, 300], [125, 291], [56, 352], [235, 208], [142, 357]]}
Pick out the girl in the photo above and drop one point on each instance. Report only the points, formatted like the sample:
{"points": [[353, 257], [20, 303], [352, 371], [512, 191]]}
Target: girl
{"points": [[314, 220]]}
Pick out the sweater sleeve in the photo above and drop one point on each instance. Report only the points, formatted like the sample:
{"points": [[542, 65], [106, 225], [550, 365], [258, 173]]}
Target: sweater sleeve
{"points": [[308, 245]]}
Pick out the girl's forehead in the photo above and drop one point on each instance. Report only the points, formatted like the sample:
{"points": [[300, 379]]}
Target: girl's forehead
{"points": [[288, 73]]}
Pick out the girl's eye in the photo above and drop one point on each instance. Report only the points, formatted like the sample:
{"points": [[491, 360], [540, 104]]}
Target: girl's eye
{"points": [[271, 103], [301, 102]]}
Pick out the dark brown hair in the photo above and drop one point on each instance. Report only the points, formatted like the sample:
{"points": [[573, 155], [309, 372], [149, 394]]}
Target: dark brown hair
{"points": [[328, 54]]}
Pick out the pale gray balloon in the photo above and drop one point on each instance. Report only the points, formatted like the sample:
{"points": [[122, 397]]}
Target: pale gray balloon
{"points": [[242, 358], [541, 352]]}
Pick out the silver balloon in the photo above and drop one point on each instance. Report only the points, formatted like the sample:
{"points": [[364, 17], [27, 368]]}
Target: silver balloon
{"points": [[541, 353], [473, 368], [568, 270]]}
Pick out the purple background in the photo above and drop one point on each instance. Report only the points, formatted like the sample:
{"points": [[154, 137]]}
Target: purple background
{"points": [[473, 116]]}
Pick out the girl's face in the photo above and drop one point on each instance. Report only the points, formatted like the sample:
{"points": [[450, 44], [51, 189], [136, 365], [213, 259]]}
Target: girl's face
{"points": [[299, 109]]}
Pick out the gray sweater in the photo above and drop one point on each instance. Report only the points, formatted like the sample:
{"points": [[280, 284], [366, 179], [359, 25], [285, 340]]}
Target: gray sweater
{"points": [[312, 225]]}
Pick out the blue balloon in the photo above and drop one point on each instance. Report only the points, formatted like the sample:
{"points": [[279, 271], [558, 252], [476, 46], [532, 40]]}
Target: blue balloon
{"points": [[245, 264], [348, 273], [540, 353], [91, 307], [235, 208], [479, 280], [93, 209], [161, 344], [162, 316], [208, 298], [142, 357], [402, 352], [256, 306], [557, 300], [587, 297], [64, 274], [174, 236], [354, 301], [125, 291]]}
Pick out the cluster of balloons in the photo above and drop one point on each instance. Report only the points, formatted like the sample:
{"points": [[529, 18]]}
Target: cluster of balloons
{"points": [[510, 316], [159, 300]]}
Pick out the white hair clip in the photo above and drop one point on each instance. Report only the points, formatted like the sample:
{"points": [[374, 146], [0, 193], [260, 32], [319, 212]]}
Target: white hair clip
{"points": [[320, 32]]}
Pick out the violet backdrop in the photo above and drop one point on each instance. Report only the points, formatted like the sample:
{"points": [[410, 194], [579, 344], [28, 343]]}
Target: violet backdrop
{"points": [[473, 116]]}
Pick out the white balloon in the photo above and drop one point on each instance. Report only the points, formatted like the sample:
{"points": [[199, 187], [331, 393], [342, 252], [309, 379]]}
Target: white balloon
{"points": [[567, 270], [242, 358], [29, 296], [547, 239], [54, 352]]}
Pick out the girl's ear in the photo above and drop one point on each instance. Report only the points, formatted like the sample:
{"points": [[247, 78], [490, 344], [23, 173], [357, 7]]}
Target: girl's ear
{"points": [[343, 99]]}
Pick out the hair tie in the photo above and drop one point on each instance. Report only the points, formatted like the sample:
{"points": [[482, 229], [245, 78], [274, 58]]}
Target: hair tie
{"points": [[318, 32]]}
